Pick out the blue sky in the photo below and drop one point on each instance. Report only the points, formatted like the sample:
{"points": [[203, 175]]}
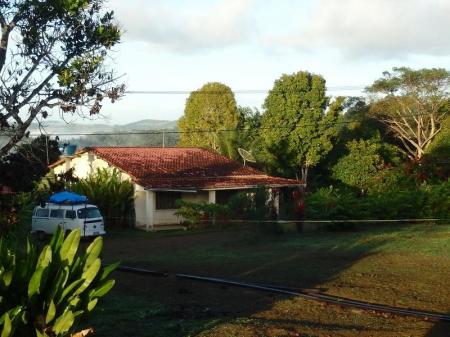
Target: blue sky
{"points": [[247, 44]]}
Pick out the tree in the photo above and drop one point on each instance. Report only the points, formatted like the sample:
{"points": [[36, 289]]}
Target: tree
{"points": [[439, 148], [245, 136], [29, 163], [298, 125], [52, 59], [413, 105], [363, 161], [208, 110]]}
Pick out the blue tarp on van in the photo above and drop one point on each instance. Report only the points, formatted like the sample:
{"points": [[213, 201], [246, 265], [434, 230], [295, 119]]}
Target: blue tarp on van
{"points": [[68, 198]]}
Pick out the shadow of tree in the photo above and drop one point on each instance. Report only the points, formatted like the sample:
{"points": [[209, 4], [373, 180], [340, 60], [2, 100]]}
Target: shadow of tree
{"points": [[192, 308], [440, 329]]}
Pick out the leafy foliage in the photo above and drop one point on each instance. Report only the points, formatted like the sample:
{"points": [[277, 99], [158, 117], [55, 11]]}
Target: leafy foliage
{"points": [[29, 163], [298, 125], [47, 294], [58, 60], [413, 105], [201, 215], [439, 149], [113, 195], [361, 166], [249, 205], [15, 214], [212, 107], [427, 201]]}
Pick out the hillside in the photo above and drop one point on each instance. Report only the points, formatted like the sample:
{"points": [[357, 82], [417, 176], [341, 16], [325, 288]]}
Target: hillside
{"points": [[103, 137]]}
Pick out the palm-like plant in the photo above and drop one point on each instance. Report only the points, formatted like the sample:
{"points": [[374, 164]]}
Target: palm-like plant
{"points": [[113, 195], [46, 294]]}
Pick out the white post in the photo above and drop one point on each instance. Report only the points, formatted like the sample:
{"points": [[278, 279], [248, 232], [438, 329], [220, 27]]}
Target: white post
{"points": [[150, 209], [212, 200], [212, 197], [276, 201]]}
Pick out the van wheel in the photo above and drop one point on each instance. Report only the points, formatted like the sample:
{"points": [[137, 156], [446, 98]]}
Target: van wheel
{"points": [[41, 235]]}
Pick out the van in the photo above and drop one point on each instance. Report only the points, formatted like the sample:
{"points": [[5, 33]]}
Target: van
{"points": [[87, 217]]}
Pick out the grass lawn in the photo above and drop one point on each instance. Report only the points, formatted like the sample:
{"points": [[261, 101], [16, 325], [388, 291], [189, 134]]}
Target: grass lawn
{"points": [[406, 266]]}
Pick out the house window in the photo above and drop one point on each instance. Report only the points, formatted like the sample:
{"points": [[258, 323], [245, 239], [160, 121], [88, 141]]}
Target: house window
{"points": [[167, 200], [223, 196]]}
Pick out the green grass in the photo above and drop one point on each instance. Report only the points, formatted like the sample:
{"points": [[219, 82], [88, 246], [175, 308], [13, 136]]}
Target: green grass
{"points": [[397, 265], [137, 316]]}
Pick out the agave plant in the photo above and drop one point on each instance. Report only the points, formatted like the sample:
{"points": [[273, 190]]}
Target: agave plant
{"points": [[46, 294]]}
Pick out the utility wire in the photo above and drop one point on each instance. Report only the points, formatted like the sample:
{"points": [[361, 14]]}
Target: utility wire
{"points": [[118, 133], [240, 91]]}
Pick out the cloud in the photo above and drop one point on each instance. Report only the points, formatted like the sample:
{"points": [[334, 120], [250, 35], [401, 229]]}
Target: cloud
{"points": [[386, 28], [174, 27]]}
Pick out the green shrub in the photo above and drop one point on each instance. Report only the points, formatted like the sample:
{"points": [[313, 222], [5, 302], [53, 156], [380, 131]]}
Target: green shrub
{"points": [[426, 201], [438, 201], [15, 214], [47, 294], [201, 215], [112, 195], [251, 205], [359, 167]]}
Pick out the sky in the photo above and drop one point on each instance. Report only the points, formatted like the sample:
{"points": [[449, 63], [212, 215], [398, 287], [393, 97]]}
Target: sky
{"points": [[177, 45]]}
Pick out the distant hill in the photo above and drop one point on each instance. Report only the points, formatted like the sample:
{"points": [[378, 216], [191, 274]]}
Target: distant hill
{"points": [[103, 137], [60, 127]]}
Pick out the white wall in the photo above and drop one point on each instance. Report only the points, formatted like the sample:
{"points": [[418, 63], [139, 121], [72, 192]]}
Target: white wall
{"points": [[84, 165], [140, 208], [168, 217]]}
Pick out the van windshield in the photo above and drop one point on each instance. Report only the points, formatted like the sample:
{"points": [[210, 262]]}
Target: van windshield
{"points": [[88, 213]]}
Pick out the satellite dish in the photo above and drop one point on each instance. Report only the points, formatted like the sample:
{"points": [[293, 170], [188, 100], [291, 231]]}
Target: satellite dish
{"points": [[246, 156]]}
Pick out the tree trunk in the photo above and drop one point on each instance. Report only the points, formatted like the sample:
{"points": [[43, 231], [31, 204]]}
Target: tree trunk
{"points": [[304, 171]]}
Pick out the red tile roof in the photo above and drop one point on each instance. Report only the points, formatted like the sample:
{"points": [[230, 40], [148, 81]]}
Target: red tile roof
{"points": [[184, 168]]}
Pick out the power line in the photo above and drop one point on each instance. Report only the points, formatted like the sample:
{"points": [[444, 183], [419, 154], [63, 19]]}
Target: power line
{"points": [[156, 132], [239, 91]]}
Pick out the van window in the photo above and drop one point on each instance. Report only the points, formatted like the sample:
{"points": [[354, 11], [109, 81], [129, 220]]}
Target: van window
{"points": [[71, 214], [57, 213], [88, 213], [42, 213]]}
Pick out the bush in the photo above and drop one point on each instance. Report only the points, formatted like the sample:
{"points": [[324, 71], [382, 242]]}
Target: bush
{"points": [[47, 295], [426, 201], [201, 215], [113, 196], [15, 214], [252, 205], [438, 201]]}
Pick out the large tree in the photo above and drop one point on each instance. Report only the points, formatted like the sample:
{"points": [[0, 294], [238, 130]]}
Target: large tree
{"points": [[52, 59], [412, 104], [208, 110], [298, 125]]}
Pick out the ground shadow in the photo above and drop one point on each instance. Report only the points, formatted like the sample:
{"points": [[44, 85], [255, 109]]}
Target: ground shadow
{"points": [[187, 308]]}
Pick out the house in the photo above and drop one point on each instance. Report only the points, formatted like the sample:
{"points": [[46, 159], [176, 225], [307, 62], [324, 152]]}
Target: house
{"points": [[163, 175]]}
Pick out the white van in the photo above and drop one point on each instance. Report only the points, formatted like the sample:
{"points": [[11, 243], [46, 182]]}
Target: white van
{"points": [[86, 217]]}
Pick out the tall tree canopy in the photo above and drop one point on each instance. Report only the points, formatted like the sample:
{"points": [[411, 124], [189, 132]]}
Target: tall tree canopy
{"points": [[211, 108], [52, 56], [412, 104], [298, 125]]}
